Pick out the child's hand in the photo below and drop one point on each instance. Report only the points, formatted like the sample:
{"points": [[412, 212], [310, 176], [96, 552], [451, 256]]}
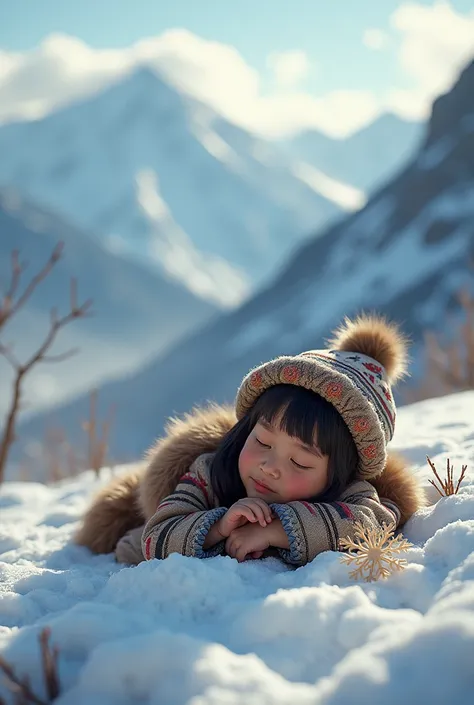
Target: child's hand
{"points": [[248, 509], [250, 540]]}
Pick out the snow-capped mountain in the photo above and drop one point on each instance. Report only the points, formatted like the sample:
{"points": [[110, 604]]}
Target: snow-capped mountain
{"points": [[136, 313], [366, 158], [405, 254], [161, 177]]}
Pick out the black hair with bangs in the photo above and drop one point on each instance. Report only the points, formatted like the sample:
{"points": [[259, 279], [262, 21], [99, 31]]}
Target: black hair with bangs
{"points": [[299, 412]]}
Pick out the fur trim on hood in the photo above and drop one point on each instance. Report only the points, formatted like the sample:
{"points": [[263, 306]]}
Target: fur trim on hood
{"points": [[129, 500], [397, 484], [185, 439]]}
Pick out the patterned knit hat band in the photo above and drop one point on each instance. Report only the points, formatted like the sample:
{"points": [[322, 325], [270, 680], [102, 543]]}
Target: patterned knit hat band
{"points": [[355, 384]]}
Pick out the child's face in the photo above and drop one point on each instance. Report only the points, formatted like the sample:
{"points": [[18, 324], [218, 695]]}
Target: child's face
{"points": [[279, 468]]}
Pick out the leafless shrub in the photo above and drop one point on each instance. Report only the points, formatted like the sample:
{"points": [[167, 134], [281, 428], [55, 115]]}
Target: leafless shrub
{"points": [[20, 685], [10, 303], [61, 459], [447, 486], [449, 366]]}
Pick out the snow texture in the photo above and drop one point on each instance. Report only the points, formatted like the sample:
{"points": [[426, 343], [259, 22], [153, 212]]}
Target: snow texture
{"points": [[213, 631]]}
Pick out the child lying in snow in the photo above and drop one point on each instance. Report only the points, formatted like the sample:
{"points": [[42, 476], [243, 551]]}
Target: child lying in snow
{"points": [[302, 459]]}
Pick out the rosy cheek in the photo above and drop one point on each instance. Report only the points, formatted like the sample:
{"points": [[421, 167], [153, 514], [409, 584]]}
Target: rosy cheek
{"points": [[246, 461], [297, 486]]}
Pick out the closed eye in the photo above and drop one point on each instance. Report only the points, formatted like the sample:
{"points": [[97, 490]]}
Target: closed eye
{"points": [[303, 467], [264, 445]]}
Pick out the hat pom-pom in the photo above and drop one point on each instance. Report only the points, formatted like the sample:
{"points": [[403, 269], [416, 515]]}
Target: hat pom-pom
{"points": [[374, 336]]}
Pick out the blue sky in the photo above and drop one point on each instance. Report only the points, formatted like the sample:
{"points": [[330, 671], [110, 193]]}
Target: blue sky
{"points": [[330, 33]]}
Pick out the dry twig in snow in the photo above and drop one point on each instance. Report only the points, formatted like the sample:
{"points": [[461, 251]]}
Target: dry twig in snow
{"points": [[98, 442], [21, 686], [447, 485]]}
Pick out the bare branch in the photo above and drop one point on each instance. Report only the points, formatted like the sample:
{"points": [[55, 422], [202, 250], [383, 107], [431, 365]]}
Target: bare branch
{"points": [[461, 478], [60, 357], [21, 686], [98, 443], [9, 307], [8, 355], [56, 324], [50, 664], [61, 458], [447, 485], [436, 488], [17, 270]]}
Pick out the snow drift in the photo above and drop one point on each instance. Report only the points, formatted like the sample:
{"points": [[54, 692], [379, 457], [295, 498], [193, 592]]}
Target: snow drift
{"points": [[185, 630]]}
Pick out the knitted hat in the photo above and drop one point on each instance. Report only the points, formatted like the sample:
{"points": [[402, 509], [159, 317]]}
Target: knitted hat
{"points": [[366, 356]]}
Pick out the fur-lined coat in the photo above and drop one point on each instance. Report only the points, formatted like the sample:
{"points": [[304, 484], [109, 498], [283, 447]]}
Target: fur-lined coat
{"points": [[168, 505]]}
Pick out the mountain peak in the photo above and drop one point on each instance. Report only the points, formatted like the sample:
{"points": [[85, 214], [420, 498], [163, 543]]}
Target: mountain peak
{"points": [[453, 106], [146, 78], [143, 165], [386, 120], [143, 84]]}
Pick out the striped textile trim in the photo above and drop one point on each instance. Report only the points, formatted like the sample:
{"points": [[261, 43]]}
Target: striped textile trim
{"points": [[189, 547], [310, 507], [343, 510], [186, 498], [331, 528], [163, 536], [189, 479], [386, 417], [148, 548], [393, 509]]}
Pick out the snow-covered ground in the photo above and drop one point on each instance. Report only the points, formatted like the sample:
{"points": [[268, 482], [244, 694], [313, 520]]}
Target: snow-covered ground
{"points": [[190, 631]]}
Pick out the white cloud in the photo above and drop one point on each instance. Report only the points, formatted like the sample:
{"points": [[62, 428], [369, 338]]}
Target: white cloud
{"points": [[289, 67], [375, 39], [212, 71], [336, 112], [62, 68], [436, 43]]}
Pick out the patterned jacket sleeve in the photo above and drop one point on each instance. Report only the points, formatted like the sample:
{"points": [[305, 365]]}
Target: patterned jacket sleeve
{"points": [[316, 527], [183, 519]]}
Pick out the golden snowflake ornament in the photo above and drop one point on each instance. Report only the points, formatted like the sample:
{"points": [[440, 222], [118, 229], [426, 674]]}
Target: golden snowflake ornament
{"points": [[374, 551]]}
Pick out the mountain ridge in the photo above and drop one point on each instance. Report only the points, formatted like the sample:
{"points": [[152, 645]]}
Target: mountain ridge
{"points": [[405, 255], [125, 297], [204, 178]]}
